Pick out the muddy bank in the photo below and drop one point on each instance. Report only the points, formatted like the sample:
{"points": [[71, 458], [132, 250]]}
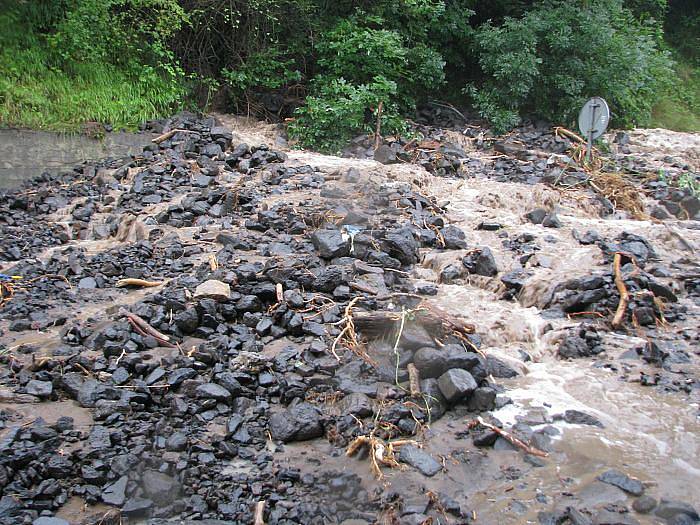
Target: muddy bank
{"points": [[227, 321]]}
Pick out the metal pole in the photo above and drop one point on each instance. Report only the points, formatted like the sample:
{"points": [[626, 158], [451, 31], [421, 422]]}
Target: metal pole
{"points": [[589, 149]]}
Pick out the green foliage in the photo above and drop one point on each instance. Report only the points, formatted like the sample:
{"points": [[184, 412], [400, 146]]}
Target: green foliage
{"points": [[339, 110], [556, 56], [264, 70], [678, 107], [55, 74]]}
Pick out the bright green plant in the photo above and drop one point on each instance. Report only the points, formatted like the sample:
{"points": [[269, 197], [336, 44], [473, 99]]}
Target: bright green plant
{"points": [[340, 110], [557, 55]]}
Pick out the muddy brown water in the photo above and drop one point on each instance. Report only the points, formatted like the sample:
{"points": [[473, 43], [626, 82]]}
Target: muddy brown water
{"points": [[26, 154]]}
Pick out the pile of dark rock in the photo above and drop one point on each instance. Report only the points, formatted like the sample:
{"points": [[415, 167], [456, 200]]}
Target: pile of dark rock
{"points": [[233, 356]]}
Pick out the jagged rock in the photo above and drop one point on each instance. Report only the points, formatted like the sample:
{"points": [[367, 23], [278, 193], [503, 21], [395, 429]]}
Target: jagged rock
{"points": [[213, 391], [433, 362], [420, 460], [330, 243], [456, 385], [39, 388], [115, 493], [480, 262], [300, 423], [576, 417], [160, 488], [213, 289], [622, 481]]}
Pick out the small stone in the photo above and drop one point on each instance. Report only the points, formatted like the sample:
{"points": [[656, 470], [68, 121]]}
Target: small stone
{"points": [[481, 262], [385, 155], [576, 417], [357, 404], [419, 459], [115, 493], [44, 520], [454, 237], [622, 481], [551, 221], [213, 391], [39, 388], [159, 487], [536, 216], [213, 289], [644, 504], [668, 509], [87, 283], [330, 243]]}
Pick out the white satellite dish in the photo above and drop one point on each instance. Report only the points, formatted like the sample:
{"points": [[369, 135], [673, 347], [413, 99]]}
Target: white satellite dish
{"points": [[593, 120]]}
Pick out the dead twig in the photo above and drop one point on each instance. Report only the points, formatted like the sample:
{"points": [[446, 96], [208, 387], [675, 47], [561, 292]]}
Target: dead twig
{"points": [[121, 283], [259, 513], [624, 294], [509, 437], [144, 328], [414, 380]]}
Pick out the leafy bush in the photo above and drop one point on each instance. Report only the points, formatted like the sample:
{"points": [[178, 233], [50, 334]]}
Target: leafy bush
{"points": [[557, 55], [362, 64], [339, 110]]}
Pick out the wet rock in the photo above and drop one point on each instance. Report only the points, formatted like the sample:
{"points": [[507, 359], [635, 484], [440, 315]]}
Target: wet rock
{"points": [[551, 221], [44, 520], [357, 404], [644, 504], [456, 385], [480, 262], [622, 481], [668, 509], [213, 391], [385, 154], [42, 389], [436, 402], [536, 216], [87, 283], [454, 237], [160, 488], [213, 289], [433, 362], [402, 245], [115, 493], [576, 417], [498, 368], [136, 506], [330, 243], [420, 460], [176, 442], [187, 320], [483, 399], [300, 423]]}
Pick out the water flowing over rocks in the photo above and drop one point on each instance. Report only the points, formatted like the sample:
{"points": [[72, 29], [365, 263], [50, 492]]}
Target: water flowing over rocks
{"points": [[425, 332]]}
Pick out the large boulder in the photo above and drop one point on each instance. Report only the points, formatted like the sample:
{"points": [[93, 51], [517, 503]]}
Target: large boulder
{"points": [[433, 362], [456, 385], [299, 423]]}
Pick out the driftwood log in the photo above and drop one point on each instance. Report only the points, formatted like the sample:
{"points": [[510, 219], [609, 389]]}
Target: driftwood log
{"points": [[436, 321]]}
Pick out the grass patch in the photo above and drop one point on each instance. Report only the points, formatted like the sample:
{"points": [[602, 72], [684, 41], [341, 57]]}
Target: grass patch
{"points": [[679, 108], [39, 91]]}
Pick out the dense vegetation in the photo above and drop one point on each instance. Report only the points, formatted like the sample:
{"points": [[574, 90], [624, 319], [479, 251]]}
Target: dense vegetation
{"points": [[335, 67]]}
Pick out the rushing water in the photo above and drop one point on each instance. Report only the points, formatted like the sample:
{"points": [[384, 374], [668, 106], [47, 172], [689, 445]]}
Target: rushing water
{"points": [[26, 154]]}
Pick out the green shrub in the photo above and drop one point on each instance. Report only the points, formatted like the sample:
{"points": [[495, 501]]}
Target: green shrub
{"points": [[557, 55], [339, 110]]}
